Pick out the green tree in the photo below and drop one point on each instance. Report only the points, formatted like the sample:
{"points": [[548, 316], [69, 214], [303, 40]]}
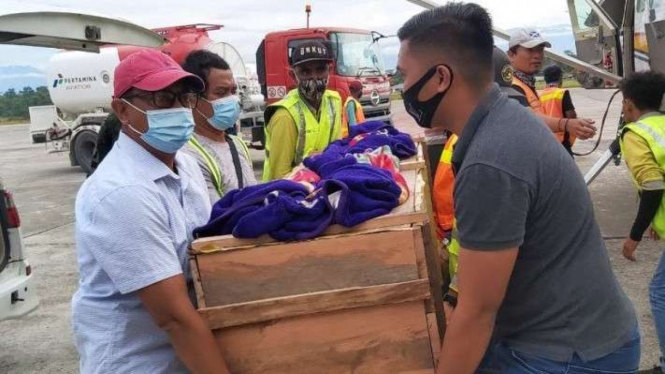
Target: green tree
{"points": [[14, 105]]}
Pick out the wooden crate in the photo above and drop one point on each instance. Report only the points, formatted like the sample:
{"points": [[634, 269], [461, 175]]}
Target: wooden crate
{"points": [[355, 300]]}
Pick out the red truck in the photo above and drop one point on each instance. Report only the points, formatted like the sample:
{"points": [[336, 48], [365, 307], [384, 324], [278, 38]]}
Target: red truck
{"points": [[357, 57]]}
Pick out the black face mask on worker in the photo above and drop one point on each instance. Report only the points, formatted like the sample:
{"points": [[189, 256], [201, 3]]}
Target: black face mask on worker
{"points": [[423, 111], [312, 89]]}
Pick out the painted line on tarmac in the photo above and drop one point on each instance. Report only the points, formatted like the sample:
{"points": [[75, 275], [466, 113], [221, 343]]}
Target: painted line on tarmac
{"points": [[47, 230]]}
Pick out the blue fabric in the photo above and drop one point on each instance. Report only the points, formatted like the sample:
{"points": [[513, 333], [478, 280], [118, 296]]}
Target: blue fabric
{"points": [[367, 127], [330, 160], [657, 301], [134, 219], [364, 192], [351, 113], [350, 193], [502, 359], [379, 134], [228, 213]]}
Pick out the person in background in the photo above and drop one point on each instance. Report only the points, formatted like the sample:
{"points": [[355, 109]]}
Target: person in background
{"points": [[643, 148], [308, 118], [526, 227], [133, 311], [224, 159], [107, 136], [353, 110], [557, 103], [526, 53]]}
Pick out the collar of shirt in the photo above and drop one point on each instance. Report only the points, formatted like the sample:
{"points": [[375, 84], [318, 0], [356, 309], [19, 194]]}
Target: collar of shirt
{"points": [[648, 115], [473, 124], [527, 79], [311, 108], [150, 165]]}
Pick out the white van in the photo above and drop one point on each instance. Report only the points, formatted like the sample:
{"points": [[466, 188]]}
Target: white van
{"points": [[17, 291]]}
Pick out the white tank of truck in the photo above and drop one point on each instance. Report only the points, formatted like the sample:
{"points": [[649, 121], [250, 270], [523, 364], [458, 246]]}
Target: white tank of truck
{"points": [[81, 87]]}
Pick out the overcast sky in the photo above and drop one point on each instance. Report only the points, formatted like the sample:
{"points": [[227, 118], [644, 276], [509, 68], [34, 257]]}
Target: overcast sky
{"points": [[246, 21]]}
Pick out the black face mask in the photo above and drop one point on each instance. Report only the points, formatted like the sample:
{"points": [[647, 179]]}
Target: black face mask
{"points": [[423, 111]]}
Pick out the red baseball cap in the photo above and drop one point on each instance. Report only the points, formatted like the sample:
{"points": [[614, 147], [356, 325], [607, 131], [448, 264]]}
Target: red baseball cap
{"points": [[356, 85], [151, 70]]}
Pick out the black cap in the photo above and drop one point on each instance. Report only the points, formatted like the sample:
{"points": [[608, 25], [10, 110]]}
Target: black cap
{"points": [[310, 50], [552, 74], [503, 75]]}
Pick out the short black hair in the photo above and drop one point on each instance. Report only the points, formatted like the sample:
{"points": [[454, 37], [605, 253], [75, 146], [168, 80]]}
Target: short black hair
{"points": [[553, 74], [461, 30], [200, 62], [645, 89]]}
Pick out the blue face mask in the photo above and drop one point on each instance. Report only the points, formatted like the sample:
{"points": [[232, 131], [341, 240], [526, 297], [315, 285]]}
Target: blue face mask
{"points": [[168, 129], [226, 112]]}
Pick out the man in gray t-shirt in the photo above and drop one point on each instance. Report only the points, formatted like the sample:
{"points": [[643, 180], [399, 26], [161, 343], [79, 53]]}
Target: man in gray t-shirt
{"points": [[534, 273]]}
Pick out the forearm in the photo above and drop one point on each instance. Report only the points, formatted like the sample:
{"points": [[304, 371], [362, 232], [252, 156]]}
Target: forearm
{"points": [[467, 338], [195, 345], [554, 124], [649, 204]]}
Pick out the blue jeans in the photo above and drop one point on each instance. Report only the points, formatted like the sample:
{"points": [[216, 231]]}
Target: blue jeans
{"points": [[504, 360], [657, 300]]}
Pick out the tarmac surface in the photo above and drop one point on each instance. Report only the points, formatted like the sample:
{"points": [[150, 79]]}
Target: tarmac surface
{"points": [[45, 187]]}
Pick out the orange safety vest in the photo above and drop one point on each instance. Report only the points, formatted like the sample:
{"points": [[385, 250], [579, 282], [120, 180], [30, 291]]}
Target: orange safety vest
{"points": [[442, 192], [551, 99], [360, 116], [531, 96]]}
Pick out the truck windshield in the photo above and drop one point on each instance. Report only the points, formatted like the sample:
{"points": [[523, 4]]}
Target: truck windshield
{"points": [[356, 54]]}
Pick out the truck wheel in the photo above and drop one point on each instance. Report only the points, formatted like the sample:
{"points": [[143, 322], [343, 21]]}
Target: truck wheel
{"points": [[39, 138], [84, 147]]}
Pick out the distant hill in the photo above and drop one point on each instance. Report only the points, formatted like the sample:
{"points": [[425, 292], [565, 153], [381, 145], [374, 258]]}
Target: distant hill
{"points": [[19, 76]]}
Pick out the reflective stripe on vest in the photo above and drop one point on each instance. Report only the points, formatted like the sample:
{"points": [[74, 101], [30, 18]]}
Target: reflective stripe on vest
{"points": [[552, 100], [444, 182], [210, 164], [453, 254], [531, 96], [652, 130], [314, 134]]}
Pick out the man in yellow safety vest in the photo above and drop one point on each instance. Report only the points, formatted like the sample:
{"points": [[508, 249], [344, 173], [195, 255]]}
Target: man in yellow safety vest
{"points": [[643, 147], [308, 118]]}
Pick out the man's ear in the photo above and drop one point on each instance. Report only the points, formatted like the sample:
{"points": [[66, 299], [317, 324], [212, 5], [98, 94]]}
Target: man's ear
{"points": [[292, 74], [121, 110], [511, 55], [445, 78]]}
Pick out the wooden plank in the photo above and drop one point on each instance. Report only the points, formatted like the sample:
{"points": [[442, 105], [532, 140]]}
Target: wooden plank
{"points": [[228, 242], [196, 278], [434, 337], [302, 267], [411, 165], [390, 339], [433, 248], [317, 302]]}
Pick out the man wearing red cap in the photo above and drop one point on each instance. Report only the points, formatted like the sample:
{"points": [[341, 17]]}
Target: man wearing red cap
{"points": [[353, 110], [132, 312]]}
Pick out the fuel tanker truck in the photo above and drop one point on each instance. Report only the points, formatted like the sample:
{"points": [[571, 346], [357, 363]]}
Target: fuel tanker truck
{"points": [[81, 86]]}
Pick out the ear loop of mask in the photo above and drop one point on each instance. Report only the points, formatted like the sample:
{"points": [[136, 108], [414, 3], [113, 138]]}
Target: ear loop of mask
{"points": [[129, 124]]}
